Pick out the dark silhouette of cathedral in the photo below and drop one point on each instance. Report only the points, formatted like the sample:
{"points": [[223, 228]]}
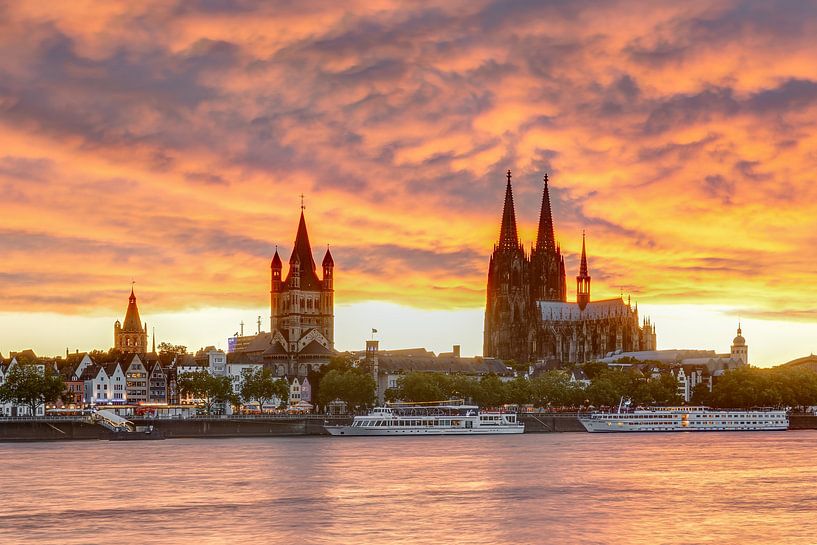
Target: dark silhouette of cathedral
{"points": [[527, 316]]}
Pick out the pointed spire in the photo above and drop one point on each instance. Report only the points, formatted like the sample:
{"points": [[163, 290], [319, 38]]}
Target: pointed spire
{"points": [[302, 254], [583, 267], [508, 237], [276, 260], [132, 322], [546, 239], [327, 259], [583, 280]]}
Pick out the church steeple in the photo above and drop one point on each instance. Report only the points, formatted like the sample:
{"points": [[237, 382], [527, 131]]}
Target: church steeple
{"points": [[545, 239], [131, 336], [583, 280], [508, 237], [301, 262]]}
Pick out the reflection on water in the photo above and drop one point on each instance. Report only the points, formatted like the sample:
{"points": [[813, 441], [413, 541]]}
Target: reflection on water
{"points": [[717, 488]]}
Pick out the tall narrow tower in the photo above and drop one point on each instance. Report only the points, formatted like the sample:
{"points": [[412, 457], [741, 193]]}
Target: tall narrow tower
{"points": [[583, 280], [508, 299], [546, 262], [302, 301], [740, 350], [275, 292], [131, 336]]}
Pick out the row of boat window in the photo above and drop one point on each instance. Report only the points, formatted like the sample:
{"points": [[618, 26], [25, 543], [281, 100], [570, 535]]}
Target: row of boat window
{"points": [[661, 417], [403, 423], [712, 422]]}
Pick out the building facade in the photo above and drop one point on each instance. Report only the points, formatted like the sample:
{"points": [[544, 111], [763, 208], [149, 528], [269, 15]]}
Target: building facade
{"points": [[527, 315], [302, 303]]}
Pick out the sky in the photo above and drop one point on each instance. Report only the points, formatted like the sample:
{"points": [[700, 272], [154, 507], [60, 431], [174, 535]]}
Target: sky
{"points": [[169, 143]]}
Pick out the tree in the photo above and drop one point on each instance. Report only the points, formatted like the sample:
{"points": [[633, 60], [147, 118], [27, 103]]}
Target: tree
{"points": [[209, 389], [553, 388], [420, 387], [262, 386], [342, 363], [168, 352], [100, 356], [517, 391], [27, 385], [354, 387], [490, 391]]}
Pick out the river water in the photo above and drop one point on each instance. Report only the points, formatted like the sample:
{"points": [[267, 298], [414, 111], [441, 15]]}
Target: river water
{"points": [[718, 488]]}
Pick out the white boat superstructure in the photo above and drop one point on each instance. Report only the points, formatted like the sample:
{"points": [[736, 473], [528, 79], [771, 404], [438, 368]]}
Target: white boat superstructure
{"points": [[686, 419], [430, 420]]}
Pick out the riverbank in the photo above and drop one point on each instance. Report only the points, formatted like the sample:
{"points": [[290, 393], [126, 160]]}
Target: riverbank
{"points": [[225, 427]]}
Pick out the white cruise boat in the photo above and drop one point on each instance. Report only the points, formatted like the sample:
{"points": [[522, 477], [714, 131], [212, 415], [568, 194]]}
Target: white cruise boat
{"points": [[421, 419], [686, 419]]}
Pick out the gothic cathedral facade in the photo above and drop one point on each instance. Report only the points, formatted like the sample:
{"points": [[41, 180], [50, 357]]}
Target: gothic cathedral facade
{"points": [[527, 315]]}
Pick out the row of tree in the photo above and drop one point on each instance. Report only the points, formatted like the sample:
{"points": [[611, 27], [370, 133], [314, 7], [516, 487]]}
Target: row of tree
{"points": [[257, 385], [549, 389], [754, 387], [27, 385]]}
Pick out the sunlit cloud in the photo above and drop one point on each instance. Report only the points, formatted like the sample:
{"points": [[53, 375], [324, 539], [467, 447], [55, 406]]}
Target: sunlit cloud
{"points": [[169, 143]]}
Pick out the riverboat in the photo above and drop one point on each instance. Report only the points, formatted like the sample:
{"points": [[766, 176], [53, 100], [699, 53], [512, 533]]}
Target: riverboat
{"points": [[418, 419], [685, 419]]}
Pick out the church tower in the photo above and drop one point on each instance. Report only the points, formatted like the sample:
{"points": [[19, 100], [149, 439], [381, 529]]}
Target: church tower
{"points": [[547, 276], [130, 336], [508, 299], [302, 302], [583, 281], [740, 350]]}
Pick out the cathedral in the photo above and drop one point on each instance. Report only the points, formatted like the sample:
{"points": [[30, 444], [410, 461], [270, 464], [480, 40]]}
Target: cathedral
{"points": [[527, 315]]}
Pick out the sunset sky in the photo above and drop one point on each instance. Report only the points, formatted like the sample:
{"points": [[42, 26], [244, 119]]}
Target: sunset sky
{"points": [[169, 143]]}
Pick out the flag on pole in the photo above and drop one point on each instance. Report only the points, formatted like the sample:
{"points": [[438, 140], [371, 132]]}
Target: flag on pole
{"points": [[374, 330]]}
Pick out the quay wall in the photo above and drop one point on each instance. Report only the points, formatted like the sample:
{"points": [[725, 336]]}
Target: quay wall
{"points": [[264, 427], [803, 422], [70, 430], [549, 423], [241, 427]]}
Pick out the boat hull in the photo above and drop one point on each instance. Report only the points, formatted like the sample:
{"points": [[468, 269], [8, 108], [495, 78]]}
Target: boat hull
{"points": [[694, 420], [358, 431]]}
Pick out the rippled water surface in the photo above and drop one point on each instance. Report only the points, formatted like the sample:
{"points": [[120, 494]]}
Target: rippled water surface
{"points": [[741, 488]]}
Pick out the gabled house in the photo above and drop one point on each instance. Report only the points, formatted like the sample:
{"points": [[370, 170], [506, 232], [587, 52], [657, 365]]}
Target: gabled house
{"points": [[157, 383], [136, 378]]}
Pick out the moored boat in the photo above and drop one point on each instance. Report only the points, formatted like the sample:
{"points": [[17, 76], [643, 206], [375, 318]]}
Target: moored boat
{"points": [[437, 419], [685, 419]]}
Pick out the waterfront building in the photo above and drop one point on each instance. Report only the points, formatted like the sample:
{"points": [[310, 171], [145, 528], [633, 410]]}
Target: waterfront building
{"points": [[131, 336], [689, 378], [388, 366], [157, 383], [713, 361], [527, 315], [136, 378]]}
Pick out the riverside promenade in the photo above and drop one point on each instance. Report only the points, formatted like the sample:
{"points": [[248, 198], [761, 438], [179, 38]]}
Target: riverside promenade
{"points": [[62, 428]]}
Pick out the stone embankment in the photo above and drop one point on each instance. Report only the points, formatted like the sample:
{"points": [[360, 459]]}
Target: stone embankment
{"points": [[66, 429]]}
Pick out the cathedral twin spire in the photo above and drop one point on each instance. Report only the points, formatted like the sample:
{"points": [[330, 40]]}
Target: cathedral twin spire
{"points": [[545, 248], [508, 234], [508, 237], [545, 238]]}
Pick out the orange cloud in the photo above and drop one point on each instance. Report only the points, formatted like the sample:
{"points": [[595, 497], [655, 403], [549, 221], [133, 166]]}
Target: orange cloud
{"points": [[170, 142]]}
